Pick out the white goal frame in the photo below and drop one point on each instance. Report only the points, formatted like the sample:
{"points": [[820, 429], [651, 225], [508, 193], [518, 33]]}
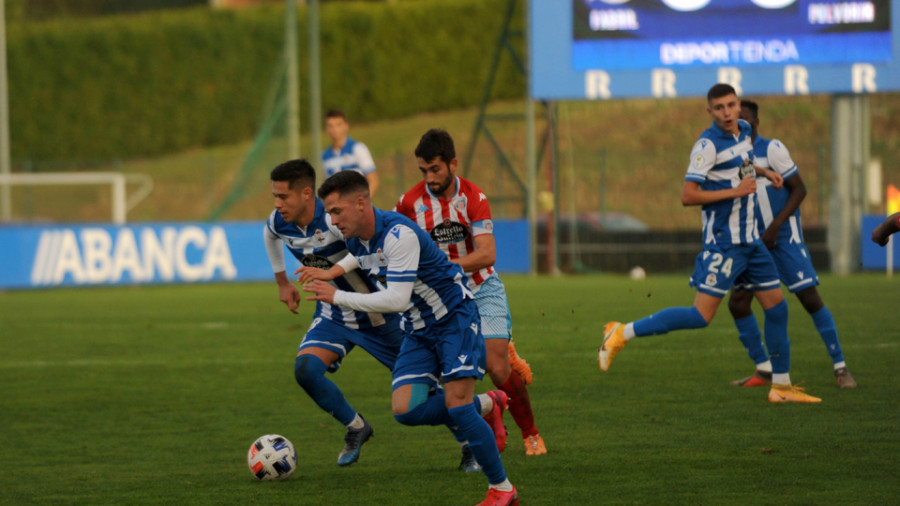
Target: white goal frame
{"points": [[118, 181]]}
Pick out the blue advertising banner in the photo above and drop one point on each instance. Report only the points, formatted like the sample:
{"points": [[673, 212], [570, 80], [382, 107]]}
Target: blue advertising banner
{"points": [[873, 256], [152, 253]]}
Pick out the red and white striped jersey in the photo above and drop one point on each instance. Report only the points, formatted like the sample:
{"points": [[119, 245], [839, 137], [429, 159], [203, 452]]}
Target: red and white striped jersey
{"points": [[452, 223]]}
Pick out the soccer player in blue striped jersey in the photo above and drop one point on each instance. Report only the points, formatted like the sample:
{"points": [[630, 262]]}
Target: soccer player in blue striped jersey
{"points": [[778, 222], [443, 340], [721, 178], [300, 222], [346, 153]]}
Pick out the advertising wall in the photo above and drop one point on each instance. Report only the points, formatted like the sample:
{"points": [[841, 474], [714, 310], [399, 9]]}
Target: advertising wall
{"points": [[49, 256]]}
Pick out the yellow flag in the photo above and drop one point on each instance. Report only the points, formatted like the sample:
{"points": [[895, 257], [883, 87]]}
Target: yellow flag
{"points": [[893, 200]]}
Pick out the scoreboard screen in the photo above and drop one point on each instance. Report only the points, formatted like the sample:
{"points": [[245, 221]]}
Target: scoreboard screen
{"points": [[633, 48], [636, 34]]}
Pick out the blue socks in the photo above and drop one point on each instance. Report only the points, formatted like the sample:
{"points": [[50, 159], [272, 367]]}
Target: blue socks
{"points": [[751, 338], [825, 325], [481, 441], [309, 371], [777, 339], [667, 320]]}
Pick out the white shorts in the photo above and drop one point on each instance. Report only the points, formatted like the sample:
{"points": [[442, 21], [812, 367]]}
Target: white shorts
{"points": [[493, 308]]}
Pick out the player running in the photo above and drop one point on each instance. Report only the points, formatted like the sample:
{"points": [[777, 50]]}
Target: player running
{"points": [[778, 221], [721, 179], [442, 328], [456, 213], [300, 222]]}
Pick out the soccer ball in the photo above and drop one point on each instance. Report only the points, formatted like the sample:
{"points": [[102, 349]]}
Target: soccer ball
{"points": [[637, 273], [272, 457]]}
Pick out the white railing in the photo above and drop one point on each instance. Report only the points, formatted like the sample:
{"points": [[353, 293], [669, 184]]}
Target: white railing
{"points": [[118, 181]]}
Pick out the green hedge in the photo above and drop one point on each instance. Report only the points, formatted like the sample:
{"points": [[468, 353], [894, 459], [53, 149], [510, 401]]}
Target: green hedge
{"points": [[130, 86]]}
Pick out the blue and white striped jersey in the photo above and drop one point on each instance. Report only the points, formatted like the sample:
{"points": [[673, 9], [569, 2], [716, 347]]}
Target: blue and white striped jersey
{"points": [[772, 154], [353, 156], [717, 160], [321, 245], [401, 252]]}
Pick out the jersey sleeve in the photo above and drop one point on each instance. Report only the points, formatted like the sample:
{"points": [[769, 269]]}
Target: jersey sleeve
{"points": [[401, 249], [479, 212], [364, 158], [780, 159], [404, 207], [274, 249], [703, 158]]}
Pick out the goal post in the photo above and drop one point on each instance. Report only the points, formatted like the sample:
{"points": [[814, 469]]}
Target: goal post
{"points": [[118, 181]]}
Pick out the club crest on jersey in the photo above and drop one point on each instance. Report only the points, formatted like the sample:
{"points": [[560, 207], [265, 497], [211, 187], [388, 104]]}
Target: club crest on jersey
{"points": [[698, 161], [461, 203], [379, 255], [319, 236], [711, 280]]}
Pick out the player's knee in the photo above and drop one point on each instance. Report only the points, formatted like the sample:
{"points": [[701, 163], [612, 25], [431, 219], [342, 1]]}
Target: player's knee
{"points": [[307, 367], [403, 408], [739, 304]]}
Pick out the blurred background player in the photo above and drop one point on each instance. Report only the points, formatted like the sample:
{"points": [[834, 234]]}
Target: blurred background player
{"points": [[778, 222], [882, 233], [720, 178], [346, 153], [441, 323], [456, 213], [300, 222]]}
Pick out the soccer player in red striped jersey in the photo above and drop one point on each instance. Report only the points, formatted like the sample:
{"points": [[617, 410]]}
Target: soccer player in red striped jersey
{"points": [[456, 213]]}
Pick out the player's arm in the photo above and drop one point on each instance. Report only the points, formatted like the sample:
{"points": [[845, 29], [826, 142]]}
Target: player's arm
{"points": [[883, 232], [287, 292], [402, 253], [344, 265], [797, 192], [485, 254], [771, 175], [693, 195], [367, 166]]}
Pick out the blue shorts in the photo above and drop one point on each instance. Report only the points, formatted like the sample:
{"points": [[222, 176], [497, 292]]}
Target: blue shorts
{"points": [[382, 342], [449, 349], [749, 265], [493, 309], [794, 266]]}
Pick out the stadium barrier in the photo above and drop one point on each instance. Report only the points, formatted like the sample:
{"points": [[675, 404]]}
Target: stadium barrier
{"points": [[37, 256]]}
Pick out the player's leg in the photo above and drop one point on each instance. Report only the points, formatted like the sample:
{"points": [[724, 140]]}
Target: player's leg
{"points": [[712, 284], [461, 351], [322, 349], [762, 274], [495, 326], [739, 304], [799, 275]]}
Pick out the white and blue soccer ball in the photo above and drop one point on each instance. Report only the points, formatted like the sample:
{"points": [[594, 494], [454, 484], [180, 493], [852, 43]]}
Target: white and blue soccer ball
{"points": [[272, 457]]}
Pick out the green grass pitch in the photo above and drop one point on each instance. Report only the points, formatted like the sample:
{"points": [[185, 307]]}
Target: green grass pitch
{"points": [[153, 395]]}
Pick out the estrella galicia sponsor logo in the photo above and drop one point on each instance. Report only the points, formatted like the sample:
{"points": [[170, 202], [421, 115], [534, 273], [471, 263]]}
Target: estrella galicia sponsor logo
{"points": [[93, 255], [311, 260], [449, 232]]}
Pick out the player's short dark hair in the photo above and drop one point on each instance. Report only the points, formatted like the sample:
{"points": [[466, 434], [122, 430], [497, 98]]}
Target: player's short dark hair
{"points": [[750, 106], [344, 183], [294, 172], [436, 143], [335, 113], [720, 90]]}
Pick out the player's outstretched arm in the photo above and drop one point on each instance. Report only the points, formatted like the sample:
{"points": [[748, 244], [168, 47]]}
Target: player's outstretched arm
{"points": [[883, 232]]}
